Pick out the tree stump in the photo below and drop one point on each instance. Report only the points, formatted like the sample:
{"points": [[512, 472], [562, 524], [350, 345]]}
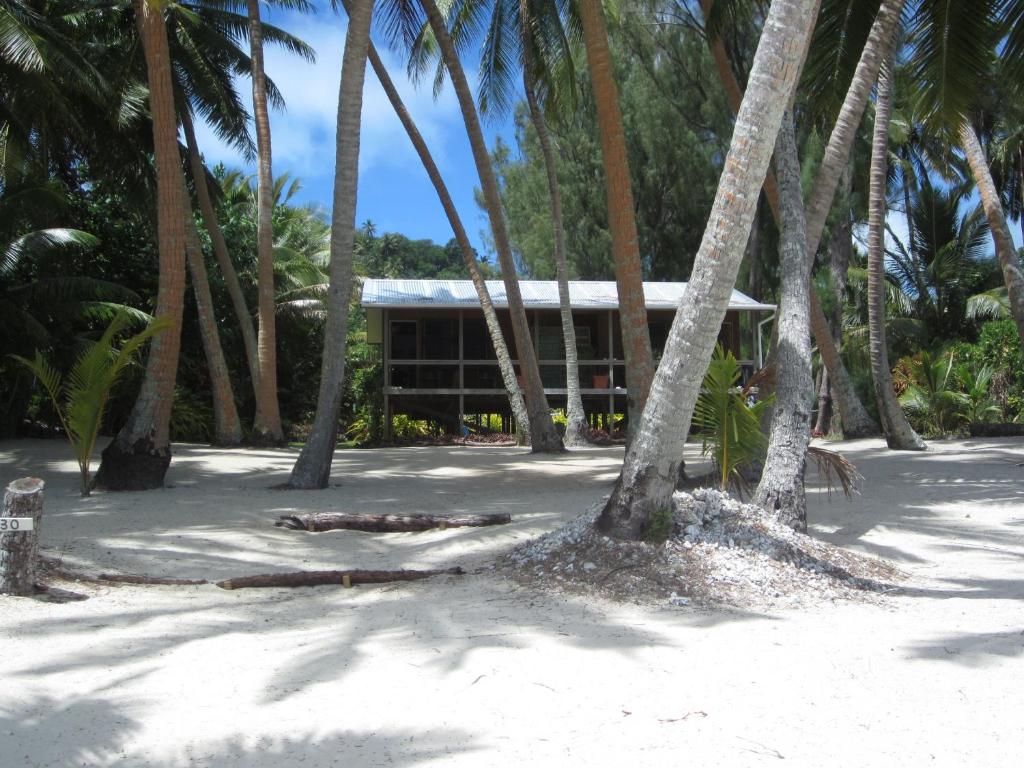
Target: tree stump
{"points": [[20, 520]]}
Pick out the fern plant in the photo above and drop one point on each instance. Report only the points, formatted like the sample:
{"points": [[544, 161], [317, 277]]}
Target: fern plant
{"points": [[80, 396], [728, 424]]}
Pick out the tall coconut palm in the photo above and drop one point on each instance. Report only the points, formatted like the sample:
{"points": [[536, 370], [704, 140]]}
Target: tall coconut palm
{"points": [[636, 340], [898, 433], [267, 424], [204, 40], [650, 469], [543, 437], [855, 420], [313, 467], [954, 46], [576, 425], [505, 366], [139, 455]]}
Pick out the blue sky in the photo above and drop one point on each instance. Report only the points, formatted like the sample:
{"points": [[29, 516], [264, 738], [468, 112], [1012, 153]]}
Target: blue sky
{"points": [[394, 191]]}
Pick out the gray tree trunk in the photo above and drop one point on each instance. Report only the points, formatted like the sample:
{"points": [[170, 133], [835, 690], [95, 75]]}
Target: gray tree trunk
{"points": [[313, 467], [898, 433], [508, 373], [266, 428], [543, 436], [220, 249], [576, 423], [650, 469], [781, 488], [19, 549], [1009, 261]]}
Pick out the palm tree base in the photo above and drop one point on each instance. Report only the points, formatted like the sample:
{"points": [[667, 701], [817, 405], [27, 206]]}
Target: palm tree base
{"points": [[139, 467]]}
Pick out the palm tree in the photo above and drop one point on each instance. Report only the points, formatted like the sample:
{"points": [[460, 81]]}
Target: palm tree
{"points": [[636, 340], [855, 420], [898, 433], [267, 424], [544, 437], [313, 467], [508, 374], [650, 468], [781, 488], [138, 457], [576, 424], [954, 45]]}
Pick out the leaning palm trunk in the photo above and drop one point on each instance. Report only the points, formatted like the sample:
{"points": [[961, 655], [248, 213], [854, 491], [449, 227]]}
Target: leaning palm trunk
{"points": [[650, 469], [508, 374], [636, 339], [898, 433], [781, 488], [267, 423], [313, 467], [543, 436], [227, 429], [138, 457], [856, 421], [1005, 252], [220, 248], [576, 423]]}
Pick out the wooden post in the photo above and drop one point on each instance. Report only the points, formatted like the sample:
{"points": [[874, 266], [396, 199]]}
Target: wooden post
{"points": [[19, 536]]}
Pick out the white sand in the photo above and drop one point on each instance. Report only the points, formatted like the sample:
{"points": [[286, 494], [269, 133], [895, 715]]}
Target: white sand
{"points": [[474, 672]]}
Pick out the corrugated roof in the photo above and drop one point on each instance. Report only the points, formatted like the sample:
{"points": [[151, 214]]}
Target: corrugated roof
{"points": [[537, 294]]}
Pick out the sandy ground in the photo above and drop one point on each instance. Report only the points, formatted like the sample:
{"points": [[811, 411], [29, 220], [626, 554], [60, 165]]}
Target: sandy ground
{"points": [[472, 671]]}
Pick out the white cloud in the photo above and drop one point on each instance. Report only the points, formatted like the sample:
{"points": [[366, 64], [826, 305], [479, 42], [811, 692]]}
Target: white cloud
{"points": [[303, 135]]}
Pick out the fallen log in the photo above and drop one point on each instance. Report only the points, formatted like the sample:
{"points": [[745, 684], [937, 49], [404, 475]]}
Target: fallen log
{"points": [[318, 578], [331, 521], [128, 578]]}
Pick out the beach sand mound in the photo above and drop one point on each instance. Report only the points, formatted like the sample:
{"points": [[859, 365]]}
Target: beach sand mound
{"points": [[718, 551]]}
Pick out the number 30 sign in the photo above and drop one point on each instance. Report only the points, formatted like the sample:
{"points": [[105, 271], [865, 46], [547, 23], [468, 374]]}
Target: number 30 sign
{"points": [[12, 524]]}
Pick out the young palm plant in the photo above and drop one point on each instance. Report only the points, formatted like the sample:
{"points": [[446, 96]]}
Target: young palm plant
{"points": [[729, 426], [931, 393], [80, 397]]}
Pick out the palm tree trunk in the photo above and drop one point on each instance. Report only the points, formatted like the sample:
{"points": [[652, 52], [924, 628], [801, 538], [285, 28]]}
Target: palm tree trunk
{"points": [[138, 457], [576, 424], [267, 423], [781, 488], [734, 95], [543, 436], [313, 467], [636, 339], [1005, 252], [855, 419], [220, 248], [227, 428], [650, 469], [822, 424], [898, 433], [508, 373]]}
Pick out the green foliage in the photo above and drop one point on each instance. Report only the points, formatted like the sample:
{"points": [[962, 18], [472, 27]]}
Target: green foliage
{"points": [[80, 396], [191, 417], [729, 425], [659, 526], [931, 395]]}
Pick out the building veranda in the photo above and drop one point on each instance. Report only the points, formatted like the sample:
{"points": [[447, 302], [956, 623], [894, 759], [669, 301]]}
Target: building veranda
{"points": [[439, 363]]}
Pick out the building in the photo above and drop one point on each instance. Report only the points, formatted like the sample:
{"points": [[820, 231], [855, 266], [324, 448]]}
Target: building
{"points": [[439, 363]]}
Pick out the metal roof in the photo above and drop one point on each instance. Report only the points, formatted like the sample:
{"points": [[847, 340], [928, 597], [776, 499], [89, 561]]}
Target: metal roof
{"points": [[537, 294]]}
